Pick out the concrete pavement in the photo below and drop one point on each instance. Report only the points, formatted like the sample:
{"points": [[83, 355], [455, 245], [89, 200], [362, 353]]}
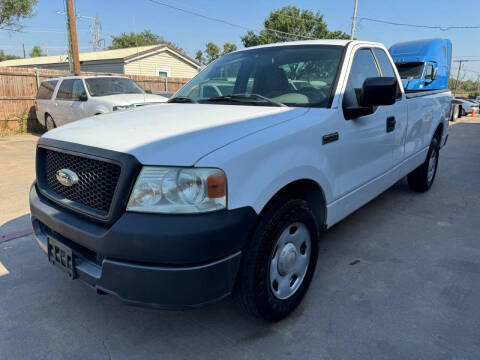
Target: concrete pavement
{"points": [[398, 279]]}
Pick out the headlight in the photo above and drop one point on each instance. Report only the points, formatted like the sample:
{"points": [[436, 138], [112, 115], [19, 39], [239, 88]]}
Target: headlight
{"points": [[122, 107], [178, 190]]}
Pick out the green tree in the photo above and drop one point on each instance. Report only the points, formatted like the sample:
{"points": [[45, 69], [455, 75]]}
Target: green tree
{"points": [[4, 57], [13, 11], [146, 37], [228, 47], [291, 23], [212, 52], [36, 51], [199, 56]]}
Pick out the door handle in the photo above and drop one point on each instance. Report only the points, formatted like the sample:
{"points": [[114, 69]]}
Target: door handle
{"points": [[329, 138], [391, 123]]}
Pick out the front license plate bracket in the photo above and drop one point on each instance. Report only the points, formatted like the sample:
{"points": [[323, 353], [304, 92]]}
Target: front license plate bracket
{"points": [[61, 256]]}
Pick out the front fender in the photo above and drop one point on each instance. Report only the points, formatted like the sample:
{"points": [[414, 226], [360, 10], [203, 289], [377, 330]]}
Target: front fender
{"points": [[260, 165]]}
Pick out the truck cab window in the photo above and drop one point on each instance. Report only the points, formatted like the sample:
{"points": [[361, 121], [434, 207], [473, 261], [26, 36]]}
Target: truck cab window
{"points": [[429, 72], [386, 66], [363, 67]]}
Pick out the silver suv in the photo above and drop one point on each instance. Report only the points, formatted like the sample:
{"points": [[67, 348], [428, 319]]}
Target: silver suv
{"points": [[65, 99]]}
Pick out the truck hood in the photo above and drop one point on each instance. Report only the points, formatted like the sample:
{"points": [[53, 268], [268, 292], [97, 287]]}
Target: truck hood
{"points": [[172, 134], [127, 99]]}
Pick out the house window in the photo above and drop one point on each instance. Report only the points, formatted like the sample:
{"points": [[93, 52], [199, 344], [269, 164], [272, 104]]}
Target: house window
{"points": [[163, 72]]}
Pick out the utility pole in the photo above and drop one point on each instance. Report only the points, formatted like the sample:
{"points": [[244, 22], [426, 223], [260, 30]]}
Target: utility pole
{"points": [[46, 48], [458, 75], [72, 39], [24, 55], [354, 20]]}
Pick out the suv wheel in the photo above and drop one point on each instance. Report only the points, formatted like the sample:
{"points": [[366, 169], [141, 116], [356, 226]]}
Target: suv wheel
{"points": [[279, 262], [421, 179], [50, 123]]}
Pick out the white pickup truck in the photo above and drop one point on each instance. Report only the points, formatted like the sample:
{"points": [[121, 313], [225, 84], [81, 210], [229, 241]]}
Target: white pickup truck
{"points": [[228, 188]]}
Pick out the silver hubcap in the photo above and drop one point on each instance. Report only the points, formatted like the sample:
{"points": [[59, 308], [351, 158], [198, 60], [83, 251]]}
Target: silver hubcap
{"points": [[289, 260], [432, 164]]}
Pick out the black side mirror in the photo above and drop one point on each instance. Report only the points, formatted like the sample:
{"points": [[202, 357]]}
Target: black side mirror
{"points": [[375, 91], [379, 91], [148, 91], [83, 97]]}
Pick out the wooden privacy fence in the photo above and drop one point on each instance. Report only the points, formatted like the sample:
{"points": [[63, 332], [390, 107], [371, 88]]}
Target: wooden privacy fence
{"points": [[18, 89]]}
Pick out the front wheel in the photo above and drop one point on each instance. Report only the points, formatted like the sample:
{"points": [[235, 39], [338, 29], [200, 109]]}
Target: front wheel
{"points": [[279, 262], [421, 179]]}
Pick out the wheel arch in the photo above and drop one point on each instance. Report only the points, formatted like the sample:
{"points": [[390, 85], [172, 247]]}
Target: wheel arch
{"points": [[438, 134], [306, 189]]}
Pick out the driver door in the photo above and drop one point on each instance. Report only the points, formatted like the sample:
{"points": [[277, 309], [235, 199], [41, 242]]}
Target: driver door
{"points": [[367, 146]]}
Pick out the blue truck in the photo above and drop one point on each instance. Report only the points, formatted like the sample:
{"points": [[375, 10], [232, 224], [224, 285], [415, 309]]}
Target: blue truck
{"points": [[423, 64]]}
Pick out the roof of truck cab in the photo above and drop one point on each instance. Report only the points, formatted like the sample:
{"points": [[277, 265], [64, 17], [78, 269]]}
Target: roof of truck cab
{"points": [[419, 50], [315, 42]]}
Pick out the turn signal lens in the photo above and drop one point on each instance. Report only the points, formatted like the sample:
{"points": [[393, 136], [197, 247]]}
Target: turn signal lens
{"points": [[217, 185]]}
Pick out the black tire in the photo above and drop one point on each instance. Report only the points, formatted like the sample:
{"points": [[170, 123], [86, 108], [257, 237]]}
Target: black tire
{"points": [[253, 289], [455, 113], [464, 113], [49, 122], [419, 179]]}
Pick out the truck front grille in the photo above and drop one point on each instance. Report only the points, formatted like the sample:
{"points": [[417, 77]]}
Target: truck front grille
{"points": [[97, 180]]}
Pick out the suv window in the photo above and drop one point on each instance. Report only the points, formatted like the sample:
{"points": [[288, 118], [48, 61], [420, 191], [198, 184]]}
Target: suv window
{"points": [[46, 89], [77, 89], [363, 67], [65, 90]]}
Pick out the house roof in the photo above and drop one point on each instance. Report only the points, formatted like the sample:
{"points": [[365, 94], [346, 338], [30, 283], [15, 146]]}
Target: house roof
{"points": [[128, 54]]}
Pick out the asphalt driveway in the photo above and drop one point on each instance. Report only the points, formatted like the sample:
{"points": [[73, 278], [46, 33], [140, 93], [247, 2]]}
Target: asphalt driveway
{"points": [[398, 279]]}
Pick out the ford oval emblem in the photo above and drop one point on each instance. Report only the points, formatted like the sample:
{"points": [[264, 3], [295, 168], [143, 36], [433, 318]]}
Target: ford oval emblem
{"points": [[67, 177]]}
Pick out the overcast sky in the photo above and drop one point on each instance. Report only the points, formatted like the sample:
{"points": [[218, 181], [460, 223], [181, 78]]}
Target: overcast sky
{"points": [[192, 33]]}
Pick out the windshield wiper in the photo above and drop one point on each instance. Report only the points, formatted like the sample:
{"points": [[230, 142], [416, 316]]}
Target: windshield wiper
{"points": [[244, 98], [182, 100]]}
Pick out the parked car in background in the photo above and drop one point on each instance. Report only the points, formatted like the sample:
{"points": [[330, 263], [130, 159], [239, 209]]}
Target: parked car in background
{"points": [[467, 106], [65, 99], [456, 110]]}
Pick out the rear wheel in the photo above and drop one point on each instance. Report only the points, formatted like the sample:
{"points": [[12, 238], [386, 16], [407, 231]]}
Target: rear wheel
{"points": [[421, 179], [279, 262], [49, 123]]}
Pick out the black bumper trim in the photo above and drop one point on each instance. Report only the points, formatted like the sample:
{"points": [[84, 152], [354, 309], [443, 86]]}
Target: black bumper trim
{"points": [[162, 287], [151, 238]]}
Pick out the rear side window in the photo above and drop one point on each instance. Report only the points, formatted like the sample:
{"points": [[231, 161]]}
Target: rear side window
{"points": [[65, 90], [363, 67], [77, 89], [46, 89]]}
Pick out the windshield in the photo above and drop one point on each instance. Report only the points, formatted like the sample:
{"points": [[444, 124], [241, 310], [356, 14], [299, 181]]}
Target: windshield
{"points": [[414, 70], [291, 75], [103, 86]]}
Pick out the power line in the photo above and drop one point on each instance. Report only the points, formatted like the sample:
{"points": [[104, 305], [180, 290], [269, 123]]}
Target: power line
{"points": [[225, 21], [442, 28]]}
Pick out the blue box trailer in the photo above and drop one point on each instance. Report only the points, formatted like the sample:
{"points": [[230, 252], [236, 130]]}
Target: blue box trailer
{"points": [[423, 64]]}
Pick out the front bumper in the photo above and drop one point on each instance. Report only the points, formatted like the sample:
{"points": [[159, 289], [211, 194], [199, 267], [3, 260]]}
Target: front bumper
{"points": [[166, 261]]}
